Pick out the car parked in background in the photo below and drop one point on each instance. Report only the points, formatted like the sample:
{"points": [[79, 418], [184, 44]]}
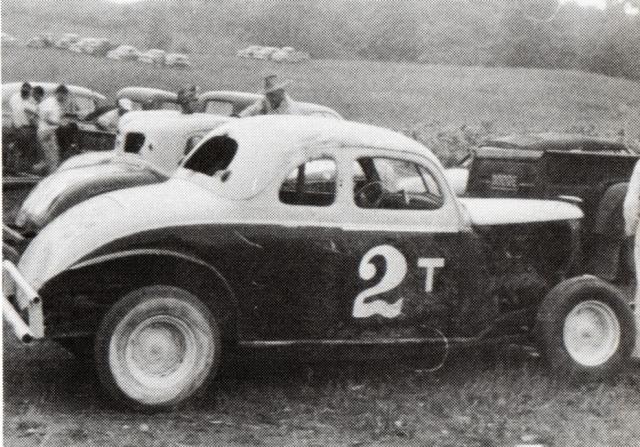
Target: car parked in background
{"points": [[42, 41], [153, 57], [146, 98], [593, 171], [124, 52], [231, 103], [177, 60], [313, 237], [66, 41], [149, 147]]}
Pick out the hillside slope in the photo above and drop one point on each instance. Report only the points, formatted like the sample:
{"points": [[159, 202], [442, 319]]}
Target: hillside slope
{"points": [[391, 94]]}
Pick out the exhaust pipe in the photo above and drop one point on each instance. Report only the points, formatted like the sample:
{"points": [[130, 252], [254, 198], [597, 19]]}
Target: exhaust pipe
{"points": [[11, 316]]}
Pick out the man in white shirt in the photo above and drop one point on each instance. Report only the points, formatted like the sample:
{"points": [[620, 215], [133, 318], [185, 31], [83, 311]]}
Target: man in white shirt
{"points": [[276, 101], [109, 121], [49, 119], [631, 217], [23, 120]]}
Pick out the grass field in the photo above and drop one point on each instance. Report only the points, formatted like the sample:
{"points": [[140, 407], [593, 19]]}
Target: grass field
{"points": [[51, 399]]}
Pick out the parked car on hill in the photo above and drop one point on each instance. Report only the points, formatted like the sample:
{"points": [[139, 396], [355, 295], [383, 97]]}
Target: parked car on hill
{"points": [[549, 165], [177, 60], [149, 147], [66, 41], [153, 57], [124, 52], [42, 41], [313, 237], [8, 40]]}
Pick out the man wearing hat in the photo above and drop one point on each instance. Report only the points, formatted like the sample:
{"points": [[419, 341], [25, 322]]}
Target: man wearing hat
{"points": [[109, 121], [276, 101]]}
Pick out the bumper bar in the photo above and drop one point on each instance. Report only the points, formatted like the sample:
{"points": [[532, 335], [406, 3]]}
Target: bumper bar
{"points": [[27, 299]]}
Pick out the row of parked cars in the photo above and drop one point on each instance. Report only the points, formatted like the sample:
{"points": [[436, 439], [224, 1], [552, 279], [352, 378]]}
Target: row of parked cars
{"points": [[275, 54], [203, 236], [103, 47]]}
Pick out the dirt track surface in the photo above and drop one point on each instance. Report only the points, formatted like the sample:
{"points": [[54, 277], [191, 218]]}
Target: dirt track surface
{"points": [[51, 399]]}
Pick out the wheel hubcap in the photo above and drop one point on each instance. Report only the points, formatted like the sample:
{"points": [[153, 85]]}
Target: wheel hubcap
{"points": [[160, 351], [591, 333]]}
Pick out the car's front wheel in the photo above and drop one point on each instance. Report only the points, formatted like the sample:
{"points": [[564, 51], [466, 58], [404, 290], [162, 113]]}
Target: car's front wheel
{"points": [[157, 347], [586, 328]]}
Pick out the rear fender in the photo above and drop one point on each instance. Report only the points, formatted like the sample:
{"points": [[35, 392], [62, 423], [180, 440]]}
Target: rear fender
{"points": [[75, 300]]}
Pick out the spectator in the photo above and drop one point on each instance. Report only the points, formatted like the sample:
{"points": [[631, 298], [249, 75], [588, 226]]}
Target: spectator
{"points": [[631, 217], [276, 101], [49, 120], [109, 121], [188, 99], [24, 117]]}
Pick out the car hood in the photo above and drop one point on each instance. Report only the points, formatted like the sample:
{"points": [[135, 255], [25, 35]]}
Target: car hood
{"points": [[499, 211], [81, 230], [33, 211]]}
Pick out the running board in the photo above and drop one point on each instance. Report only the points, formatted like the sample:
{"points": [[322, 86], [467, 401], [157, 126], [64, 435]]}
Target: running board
{"points": [[374, 342]]}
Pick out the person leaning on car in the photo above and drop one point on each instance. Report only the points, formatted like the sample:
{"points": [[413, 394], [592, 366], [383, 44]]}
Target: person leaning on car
{"points": [[49, 120], [24, 115], [109, 121], [631, 217], [276, 101]]}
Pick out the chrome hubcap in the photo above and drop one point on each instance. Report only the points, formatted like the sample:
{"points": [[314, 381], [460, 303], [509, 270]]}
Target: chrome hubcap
{"points": [[591, 333]]}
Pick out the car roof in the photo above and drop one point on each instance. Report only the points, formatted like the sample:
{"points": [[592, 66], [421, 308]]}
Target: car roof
{"points": [[266, 143], [146, 93], [557, 141], [49, 87], [230, 95]]}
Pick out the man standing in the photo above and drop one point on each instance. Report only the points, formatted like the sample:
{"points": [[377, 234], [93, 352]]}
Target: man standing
{"points": [[188, 99], [24, 116], [276, 101], [109, 121], [631, 217], [50, 118]]}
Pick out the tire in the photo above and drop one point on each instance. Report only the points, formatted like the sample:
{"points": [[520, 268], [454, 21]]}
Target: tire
{"points": [[157, 348], [585, 328]]}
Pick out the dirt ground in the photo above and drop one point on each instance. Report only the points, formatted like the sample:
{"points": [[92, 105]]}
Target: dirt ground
{"points": [[52, 399]]}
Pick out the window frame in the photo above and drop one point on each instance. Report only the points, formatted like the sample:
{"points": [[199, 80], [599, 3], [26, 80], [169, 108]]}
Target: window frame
{"points": [[296, 166]]}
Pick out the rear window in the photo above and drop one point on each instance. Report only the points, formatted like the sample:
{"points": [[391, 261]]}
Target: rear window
{"points": [[213, 156], [133, 142]]}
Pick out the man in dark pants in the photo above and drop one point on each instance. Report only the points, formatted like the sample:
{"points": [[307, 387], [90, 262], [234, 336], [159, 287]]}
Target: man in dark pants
{"points": [[24, 117]]}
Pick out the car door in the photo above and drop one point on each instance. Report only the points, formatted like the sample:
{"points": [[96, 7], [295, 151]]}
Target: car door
{"points": [[412, 265], [293, 280]]}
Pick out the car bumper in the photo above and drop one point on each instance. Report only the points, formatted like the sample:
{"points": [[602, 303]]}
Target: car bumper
{"points": [[23, 310]]}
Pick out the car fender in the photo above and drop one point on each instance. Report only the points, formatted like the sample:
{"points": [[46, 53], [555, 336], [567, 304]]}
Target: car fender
{"points": [[609, 219], [107, 277]]}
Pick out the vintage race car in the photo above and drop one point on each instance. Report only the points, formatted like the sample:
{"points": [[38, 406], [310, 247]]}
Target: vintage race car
{"points": [[544, 166], [305, 235], [149, 148], [146, 98], [231, 103]]}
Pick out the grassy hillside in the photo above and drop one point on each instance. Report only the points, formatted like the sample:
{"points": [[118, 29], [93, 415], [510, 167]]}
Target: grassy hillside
{"points": [[391, 94]]}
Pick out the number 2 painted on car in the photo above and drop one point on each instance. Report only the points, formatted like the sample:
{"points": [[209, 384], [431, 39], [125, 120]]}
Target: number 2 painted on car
{"points": [[396, 270]]}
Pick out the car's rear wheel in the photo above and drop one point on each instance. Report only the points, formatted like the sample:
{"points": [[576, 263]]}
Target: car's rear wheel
{"points": [[586, 328], [157, 347]]}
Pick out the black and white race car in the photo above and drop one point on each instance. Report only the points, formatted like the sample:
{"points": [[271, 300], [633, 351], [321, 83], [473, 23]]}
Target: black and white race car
{"points": [[301, 233]]}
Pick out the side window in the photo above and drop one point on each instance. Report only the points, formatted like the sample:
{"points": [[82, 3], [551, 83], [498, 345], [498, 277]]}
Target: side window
{"points": [[133, 142], [387, 183], [311, 184]]}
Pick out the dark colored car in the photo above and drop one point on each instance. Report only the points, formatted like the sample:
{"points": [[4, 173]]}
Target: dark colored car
{"points": [[594, 171]]}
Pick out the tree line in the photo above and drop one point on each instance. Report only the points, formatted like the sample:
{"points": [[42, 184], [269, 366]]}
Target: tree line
{"points": [[462, 32]]}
